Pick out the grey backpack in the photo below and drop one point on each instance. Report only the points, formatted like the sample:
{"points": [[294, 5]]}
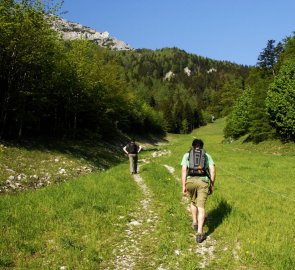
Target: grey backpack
{"points": [[197, 159]]}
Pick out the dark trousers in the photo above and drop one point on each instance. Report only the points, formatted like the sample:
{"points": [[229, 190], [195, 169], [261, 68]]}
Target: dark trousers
{"points": [[133, 163]]}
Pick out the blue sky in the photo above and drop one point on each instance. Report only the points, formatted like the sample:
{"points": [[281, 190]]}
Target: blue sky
{"points": [[232, 30]]}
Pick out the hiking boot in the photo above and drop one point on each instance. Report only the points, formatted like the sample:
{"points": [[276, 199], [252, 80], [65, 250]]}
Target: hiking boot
{"points": [[200, 237]]}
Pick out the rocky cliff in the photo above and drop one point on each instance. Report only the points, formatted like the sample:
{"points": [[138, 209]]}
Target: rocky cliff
{"points": [[71, 30]]}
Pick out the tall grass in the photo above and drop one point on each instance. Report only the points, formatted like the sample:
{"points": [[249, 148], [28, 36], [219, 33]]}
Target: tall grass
{"points": [[251, 210], [175, 237], [76, 224], [72, 224]]}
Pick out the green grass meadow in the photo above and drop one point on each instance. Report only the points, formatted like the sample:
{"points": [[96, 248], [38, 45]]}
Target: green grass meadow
{"points": [[74, 225], [251, 211]]}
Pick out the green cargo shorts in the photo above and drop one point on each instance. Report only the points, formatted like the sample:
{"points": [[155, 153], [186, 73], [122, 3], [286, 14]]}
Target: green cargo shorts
{"points": [[198, 190]]}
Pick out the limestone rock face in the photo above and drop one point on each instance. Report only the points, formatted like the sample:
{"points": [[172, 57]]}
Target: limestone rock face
{"points": [[187, 71], [169, 75], [71, 31]]}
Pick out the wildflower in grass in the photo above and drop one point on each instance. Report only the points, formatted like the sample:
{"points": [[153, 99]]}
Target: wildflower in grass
{"points": [[62, 171], [177, 252]]}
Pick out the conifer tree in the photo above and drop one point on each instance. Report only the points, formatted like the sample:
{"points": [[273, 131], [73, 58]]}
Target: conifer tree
{"points": [[269, 56]]}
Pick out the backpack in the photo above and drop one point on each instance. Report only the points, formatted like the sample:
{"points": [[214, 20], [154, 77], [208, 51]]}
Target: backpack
{"points": [[132, 148], [197, 158]]}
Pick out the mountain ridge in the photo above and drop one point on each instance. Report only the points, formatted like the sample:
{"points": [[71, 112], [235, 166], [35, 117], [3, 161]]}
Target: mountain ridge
{"points": [[72, 30]]}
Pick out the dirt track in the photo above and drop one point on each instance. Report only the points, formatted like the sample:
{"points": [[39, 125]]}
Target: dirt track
{"points": [[129, 252]]}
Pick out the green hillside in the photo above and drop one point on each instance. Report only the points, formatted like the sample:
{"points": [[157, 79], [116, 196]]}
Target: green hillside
{"points": [[76, 89], [110, 220]]}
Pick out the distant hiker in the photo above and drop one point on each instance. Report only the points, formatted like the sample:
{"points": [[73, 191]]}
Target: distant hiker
{"points": [[197, 176], [132, 149]]}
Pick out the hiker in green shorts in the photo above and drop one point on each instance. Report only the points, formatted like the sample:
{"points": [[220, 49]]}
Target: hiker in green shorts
{"points": [[132, 150], [197, 176]]}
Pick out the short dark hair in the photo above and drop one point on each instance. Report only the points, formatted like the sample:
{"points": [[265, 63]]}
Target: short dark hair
{"points": [[197, 143]]}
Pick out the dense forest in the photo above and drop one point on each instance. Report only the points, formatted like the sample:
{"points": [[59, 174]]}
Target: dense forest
{"points": [[188, 90], [57, 88], [266, 109]]}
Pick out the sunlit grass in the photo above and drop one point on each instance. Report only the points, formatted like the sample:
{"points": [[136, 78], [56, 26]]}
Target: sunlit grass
{"points": [[72, 224], [257, 183], [77, 224], [251, 210], [174, 232]]}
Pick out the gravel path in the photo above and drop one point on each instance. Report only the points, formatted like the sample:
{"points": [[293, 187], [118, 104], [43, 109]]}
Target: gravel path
{"points": [[129, 252]]}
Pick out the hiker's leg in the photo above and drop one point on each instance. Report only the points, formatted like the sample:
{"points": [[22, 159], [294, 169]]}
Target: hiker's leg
{"points": [[201, 219], [135, 164], [201, 201], [131, 163], [192, 191], [194, 211]]}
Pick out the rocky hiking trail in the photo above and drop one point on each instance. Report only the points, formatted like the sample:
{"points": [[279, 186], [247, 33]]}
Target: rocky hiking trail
{"points": [[142, 225], [141, 229]]}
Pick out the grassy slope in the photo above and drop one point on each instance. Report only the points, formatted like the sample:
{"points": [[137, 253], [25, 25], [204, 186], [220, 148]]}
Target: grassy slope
{"points": [[253, 204], [73, 224], [36, 164], [256, 183], [250, 213], [76, 223]]}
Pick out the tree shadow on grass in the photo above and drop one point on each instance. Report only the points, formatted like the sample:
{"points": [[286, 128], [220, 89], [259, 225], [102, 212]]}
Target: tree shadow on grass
{"points": [[217, 215], [99, 152]]}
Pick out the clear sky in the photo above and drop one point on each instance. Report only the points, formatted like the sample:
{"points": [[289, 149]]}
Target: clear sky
{"points": [[232, 30]]}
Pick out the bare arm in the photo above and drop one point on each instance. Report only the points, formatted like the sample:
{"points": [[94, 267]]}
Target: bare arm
{"points": [[212, 170], [183, 179], [125, 149], [139, 149]]}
